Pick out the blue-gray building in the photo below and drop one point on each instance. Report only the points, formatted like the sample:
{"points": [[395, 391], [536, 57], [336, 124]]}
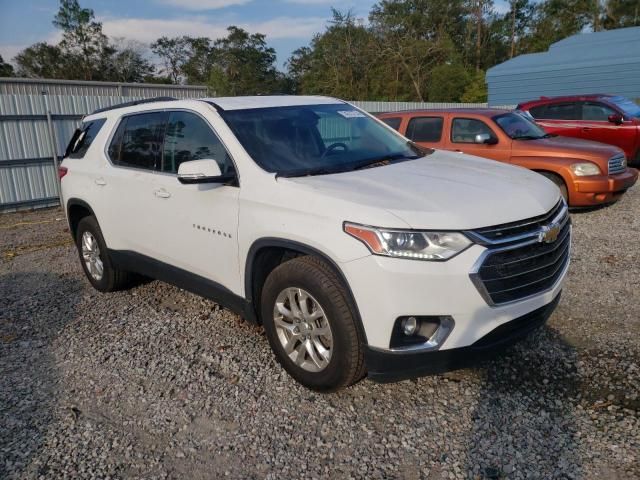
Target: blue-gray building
{"points": [[599, 62]]}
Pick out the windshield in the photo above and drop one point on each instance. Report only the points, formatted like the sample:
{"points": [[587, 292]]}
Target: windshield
{"points": [[519, 127], [627, 106], [316, 139]]}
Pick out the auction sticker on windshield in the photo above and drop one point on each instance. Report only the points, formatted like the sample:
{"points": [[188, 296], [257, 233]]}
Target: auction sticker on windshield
{"points": [[351, 114]]}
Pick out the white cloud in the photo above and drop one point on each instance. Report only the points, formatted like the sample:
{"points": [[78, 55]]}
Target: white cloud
{"points": [[10, 51], [203, 4], [148, 30]]}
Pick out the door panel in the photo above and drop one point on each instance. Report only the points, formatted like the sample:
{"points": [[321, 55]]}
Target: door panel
{"points": [[127, 182], [195, 226], [463, 132], [597, 127]]}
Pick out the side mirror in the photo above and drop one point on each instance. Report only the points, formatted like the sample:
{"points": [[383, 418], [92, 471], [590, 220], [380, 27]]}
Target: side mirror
{"points": [[485, 138], [615, 118], [202, 171]]}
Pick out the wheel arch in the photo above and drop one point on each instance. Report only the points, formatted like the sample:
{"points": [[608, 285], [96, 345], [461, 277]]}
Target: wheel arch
{"points": [[77, 209], [261, 260]]}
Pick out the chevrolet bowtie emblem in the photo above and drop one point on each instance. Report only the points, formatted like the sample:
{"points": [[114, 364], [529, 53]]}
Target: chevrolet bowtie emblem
{"points": [[549, 233]]}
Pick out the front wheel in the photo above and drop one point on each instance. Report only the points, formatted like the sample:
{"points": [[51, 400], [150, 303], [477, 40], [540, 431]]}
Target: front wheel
{"points": [[311, 326]]}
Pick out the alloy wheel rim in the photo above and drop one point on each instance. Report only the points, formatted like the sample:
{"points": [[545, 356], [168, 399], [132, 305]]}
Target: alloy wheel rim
{"points": [[91, 256], [303, 329]]}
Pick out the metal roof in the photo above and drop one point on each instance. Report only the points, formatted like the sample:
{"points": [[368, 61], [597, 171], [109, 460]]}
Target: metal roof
{"points": [[607, 61]]}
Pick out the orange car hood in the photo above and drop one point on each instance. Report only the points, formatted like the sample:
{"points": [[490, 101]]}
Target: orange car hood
{"points": [[565, 147]]}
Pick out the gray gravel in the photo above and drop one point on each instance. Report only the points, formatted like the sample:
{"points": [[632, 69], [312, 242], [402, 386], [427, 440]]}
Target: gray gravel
{"points": [[158, 383]]}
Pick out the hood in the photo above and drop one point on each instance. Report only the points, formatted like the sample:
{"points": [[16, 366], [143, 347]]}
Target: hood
{"points": [[567, 147], [444, 190]]}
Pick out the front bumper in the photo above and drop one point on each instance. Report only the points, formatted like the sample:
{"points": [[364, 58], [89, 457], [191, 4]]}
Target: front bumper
{"points": [[597, 190], [390, 366], [387, 288]]}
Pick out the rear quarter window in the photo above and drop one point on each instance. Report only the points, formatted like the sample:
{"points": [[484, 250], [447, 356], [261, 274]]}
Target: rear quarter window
{"points": [[83, 138]]}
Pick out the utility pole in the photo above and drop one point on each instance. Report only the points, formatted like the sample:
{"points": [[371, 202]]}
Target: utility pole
{"points": [[53, 144]]}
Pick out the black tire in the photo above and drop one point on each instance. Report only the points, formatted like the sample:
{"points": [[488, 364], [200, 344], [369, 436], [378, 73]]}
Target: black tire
{"points": [[557, 179], [346, 365], [112, 278]]}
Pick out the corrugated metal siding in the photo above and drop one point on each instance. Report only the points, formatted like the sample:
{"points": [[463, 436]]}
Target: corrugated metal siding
{"points": [[35, 86], [601, 62], [379, 107]]}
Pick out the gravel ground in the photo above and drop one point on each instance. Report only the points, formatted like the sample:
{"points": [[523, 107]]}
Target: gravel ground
{"points": [[158, 383]]}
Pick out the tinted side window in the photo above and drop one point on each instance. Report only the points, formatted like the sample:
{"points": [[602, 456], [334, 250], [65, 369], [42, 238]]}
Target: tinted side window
{"points": [[596, 112], [116, 142], [563, 111], [539, 111], [82, 140], [393, 122], [425, 129], [189, 137], [464, 130], [141, 142]]}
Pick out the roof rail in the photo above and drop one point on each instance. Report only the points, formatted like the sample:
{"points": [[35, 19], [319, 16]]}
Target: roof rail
{"points": [[134, 102]]}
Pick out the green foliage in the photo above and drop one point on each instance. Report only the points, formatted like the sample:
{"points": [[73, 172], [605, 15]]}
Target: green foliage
{"points": [[476, 91], [6, 69], [448, 83], [243, 64]]}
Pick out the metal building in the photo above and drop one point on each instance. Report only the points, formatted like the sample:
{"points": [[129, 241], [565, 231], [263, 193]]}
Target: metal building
{"points": [[599, 62]]}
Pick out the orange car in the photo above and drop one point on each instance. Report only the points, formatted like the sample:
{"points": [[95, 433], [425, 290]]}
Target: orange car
{"points": [[587, 173]]}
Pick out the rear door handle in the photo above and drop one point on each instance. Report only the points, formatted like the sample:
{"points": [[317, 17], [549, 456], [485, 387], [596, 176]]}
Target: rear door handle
{"points": [[458, 151], [100, 181], [586, 129], [162, 193]]}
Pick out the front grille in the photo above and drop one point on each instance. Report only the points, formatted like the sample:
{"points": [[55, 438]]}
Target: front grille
{"points": [[617, 164], [509, 232], [530, 264]]}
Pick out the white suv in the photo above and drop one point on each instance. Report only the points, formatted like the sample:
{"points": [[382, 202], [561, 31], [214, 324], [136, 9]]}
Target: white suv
{"points": [[358, 252]]}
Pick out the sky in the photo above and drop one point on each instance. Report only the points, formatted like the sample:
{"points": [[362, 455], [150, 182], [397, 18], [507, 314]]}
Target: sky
{"points": [[288, 24]]}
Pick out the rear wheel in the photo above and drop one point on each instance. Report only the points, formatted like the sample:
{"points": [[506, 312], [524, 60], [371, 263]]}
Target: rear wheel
{"points": [[557, 179], [310, 325], [95, 260]]}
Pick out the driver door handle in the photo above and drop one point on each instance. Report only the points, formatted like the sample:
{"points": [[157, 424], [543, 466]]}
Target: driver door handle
{"points": [[161, 193]]}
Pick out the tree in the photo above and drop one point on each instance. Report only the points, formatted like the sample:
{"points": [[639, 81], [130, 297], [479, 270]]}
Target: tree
{"points": [[476, 91], [198, 65], [448, 82], [174, 53], [6, 69], [85, 47], [343, 61], [243, 64], [128, 63], [621, 13], [41, 60]]}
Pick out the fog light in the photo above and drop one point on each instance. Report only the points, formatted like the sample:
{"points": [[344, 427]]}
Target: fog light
{"points": [[409, 325]]}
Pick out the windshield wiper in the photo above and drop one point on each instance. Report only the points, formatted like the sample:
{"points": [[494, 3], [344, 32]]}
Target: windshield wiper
{"points": [[527, 137], [382, 161], [310, 172], [372, 162], [549, 135]]}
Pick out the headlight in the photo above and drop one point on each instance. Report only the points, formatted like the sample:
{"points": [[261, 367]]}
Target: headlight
{"points": [[409, 243], [585, 169]]}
